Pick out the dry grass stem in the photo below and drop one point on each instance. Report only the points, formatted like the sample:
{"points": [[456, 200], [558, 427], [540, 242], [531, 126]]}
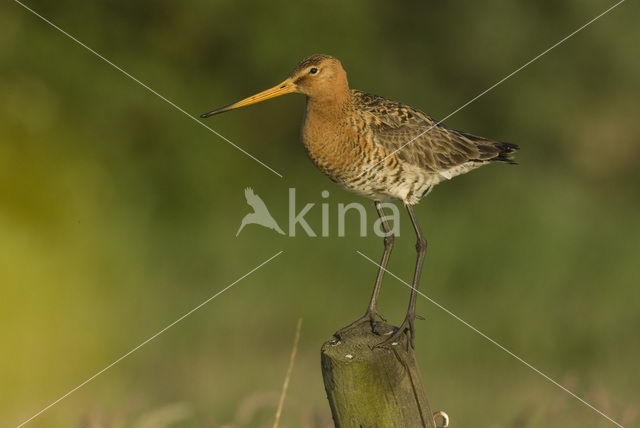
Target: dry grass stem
{"points": [[288, 376]]}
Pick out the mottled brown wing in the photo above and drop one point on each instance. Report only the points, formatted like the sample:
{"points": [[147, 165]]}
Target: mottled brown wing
{"points": [[420, 140]]}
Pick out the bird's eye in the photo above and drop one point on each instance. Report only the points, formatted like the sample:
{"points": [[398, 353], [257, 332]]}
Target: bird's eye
{"points": [[313, 70]]}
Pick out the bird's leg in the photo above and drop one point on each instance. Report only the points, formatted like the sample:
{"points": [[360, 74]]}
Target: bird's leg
{"points": [[421, 248], [388, 246], [372, 312]]}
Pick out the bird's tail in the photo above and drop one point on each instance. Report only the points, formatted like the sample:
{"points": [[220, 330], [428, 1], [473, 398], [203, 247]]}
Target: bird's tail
{"points": [[277, 228], [491, 150], [505, 152]]}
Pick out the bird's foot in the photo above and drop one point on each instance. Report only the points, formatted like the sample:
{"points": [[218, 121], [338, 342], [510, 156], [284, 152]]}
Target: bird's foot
{"points": [[406, 327], [369, 316]]}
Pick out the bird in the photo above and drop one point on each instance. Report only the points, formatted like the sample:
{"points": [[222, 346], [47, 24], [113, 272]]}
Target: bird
{"points": [[260, 214], [380, 149]]}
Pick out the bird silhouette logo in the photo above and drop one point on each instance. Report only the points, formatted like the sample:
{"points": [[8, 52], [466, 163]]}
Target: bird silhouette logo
{"points": [[260, 214]]}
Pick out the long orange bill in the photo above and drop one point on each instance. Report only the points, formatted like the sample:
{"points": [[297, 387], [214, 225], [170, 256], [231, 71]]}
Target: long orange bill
{"points": [[283, 88]]}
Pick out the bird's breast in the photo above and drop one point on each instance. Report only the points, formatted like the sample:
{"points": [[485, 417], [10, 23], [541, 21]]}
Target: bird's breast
{"points": [[346, 151], [332, 146]]}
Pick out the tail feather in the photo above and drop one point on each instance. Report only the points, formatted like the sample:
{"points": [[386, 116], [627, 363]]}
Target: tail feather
{"points": [[491, 150], [506, 152]]}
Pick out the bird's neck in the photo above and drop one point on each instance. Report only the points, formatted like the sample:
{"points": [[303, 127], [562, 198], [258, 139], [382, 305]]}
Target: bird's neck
{"points": [[330, 107], [325, 130]]}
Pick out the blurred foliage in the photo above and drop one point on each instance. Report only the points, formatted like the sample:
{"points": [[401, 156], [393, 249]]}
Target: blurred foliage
{"points": [[118, 213]]}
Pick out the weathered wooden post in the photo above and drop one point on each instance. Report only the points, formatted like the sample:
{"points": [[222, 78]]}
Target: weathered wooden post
{"points": [[374, 387]]}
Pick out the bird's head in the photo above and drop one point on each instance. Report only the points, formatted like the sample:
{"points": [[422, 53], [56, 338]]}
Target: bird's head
{"points": [[318, 76]]}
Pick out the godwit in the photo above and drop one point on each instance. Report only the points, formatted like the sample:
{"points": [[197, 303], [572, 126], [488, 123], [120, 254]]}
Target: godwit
{"points": [[380, 149]]}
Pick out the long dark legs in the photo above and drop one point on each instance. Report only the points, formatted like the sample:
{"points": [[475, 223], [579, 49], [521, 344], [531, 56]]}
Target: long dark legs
{"points": [[388, 246], [421, 248], [372, 312]]}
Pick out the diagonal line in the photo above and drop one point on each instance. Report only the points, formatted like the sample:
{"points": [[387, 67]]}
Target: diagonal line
{"points": [[150, 339], [491, 340], [490, 88], [180, 109]]}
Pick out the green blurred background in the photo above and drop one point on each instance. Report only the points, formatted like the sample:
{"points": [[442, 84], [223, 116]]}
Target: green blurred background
{"points": [[118, 213]]}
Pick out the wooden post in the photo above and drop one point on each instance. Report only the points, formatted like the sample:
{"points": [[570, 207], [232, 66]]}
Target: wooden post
{"points": [[374, 387]]}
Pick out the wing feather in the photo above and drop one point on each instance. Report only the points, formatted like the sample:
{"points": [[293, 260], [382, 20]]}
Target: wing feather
{"points": [[431, 146]]}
